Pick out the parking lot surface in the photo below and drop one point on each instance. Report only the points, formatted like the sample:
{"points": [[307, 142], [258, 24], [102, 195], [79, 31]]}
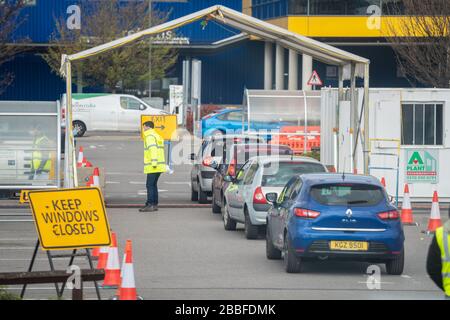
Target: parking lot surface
{"points": [[186, 254]]}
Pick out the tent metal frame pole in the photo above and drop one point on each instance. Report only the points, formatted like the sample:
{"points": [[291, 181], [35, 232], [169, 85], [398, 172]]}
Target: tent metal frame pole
{"points": [[354, 115], [366, 119]]}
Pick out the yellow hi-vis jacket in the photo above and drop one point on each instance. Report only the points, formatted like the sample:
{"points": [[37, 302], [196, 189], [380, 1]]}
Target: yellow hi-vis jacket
{"points": [[154, 160], [39, 155], [443, 240]]}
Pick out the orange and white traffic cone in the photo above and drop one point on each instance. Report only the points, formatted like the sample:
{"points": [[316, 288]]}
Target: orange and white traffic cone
{"points": [[102, 258], [96, 178], [87, 164], [383, 182], [127, 247], [435, 216], [128, 286], [112, 270], [95, 253], [406, 216], [80, 161]]}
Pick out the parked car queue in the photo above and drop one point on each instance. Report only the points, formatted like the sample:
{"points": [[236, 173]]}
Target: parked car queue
{"points": [[304, 212]]}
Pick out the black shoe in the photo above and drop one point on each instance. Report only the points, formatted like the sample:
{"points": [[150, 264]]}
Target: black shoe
{"points": [[145, 208], [148, 209]]}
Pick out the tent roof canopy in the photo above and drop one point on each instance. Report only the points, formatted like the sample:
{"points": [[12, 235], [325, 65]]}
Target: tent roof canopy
{"points": [[248, 25]]}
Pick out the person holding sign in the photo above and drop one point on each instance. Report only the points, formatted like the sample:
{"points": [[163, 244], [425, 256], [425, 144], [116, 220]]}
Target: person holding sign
{"points": [[154, 164]]}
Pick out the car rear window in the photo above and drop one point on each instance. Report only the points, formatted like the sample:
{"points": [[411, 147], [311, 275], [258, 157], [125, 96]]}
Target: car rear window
{"points": [[347, 194], [277, 174], [243, 153]]}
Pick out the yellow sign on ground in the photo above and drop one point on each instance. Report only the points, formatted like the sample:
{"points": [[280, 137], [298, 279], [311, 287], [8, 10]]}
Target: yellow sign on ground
{"points": [[24, 196], [165, 125], [70, 218]]}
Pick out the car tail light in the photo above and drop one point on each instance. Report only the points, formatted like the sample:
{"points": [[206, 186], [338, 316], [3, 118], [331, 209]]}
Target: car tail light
{"points": [[258, 196], [232, 168], [305, 213], [389, 215], [63, 113], [207, 161]]}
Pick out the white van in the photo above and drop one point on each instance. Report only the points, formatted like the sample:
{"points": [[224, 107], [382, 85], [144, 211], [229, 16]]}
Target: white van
{"points": [[107, 112]]}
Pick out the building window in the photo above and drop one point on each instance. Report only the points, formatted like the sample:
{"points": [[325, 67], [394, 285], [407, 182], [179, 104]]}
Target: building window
{"points": [[342, 7], [422, 123]]}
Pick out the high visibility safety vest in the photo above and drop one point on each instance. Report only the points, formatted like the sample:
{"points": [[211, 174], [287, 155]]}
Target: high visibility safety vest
{"points": [[39, 155], [154, 160], [443, 240]]}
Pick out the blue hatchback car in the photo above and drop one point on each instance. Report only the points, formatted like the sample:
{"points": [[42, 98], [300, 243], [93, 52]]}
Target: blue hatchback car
{"points": [[334, 216], [229, 121]]}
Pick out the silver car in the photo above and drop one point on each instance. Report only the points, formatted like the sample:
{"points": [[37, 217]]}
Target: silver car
{"points": [[245, 197], [214, 148]]}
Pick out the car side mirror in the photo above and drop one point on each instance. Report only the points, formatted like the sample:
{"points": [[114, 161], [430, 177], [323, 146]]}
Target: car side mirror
{"points": [[193, 156], [272, 197], [142, 107]]}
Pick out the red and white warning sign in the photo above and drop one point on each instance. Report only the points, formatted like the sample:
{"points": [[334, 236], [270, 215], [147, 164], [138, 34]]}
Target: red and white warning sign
{"points": [[315, 79]]}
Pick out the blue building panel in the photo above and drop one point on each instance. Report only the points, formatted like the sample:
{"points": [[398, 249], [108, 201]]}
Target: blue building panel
{"points": [[39, 19], [268, 9]]}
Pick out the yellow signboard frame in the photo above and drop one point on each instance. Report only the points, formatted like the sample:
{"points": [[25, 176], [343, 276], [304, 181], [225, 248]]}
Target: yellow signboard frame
{"points": [[65, 201], [165, 125]]}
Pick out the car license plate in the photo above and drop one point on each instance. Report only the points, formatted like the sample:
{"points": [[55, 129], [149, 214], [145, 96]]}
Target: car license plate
{"points": [[349, 245]]}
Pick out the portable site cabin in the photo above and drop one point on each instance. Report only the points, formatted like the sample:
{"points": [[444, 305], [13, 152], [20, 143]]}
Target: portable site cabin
{"points": [[412, 123]]}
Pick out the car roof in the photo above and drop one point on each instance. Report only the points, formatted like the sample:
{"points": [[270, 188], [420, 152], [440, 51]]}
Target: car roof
{"points": [[228, 110], [267, 159], [233, 136], [261, 145], [323, 178]]}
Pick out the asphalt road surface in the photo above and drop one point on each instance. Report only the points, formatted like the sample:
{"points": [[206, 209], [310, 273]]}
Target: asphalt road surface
{"points": [[186, 254], [121, 156]]}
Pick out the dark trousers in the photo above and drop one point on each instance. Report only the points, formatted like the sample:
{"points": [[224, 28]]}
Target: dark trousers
{"points": [[152, 189]]}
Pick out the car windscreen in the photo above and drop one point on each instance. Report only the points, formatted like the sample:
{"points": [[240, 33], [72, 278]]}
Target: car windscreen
{"points": [[345, 194], [277, 174]]}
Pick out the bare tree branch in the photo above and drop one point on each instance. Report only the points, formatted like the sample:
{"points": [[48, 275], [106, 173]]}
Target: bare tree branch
{"points": [[421, 41], [104, 21], [9, 22]]}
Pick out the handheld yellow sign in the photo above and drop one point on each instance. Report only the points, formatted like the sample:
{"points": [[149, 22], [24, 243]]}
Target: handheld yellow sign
{"points": [[165, 125], [24, 196], [70, 218]]}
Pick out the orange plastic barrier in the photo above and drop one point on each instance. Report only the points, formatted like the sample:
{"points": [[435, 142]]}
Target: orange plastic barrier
{"points": [[293, 136]]}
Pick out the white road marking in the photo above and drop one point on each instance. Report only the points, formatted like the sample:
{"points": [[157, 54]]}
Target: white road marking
{"points": [[365, 282], [37, 259], [137, 182], [112, 182], [144, 192], [177, 183], [16, 248], [93, 147]]}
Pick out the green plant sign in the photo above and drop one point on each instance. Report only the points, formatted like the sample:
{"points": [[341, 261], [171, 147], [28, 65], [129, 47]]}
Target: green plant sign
{"points": [[422, 166]]}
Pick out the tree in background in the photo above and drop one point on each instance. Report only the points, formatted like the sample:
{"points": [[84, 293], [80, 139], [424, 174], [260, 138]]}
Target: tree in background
{"points": [[104, 21], [9, 22], [422, 41]]}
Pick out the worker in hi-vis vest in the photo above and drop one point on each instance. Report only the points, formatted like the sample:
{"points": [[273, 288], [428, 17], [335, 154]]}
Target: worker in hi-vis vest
{"points": [[154, 164], [438, 261], [41, 156]]}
